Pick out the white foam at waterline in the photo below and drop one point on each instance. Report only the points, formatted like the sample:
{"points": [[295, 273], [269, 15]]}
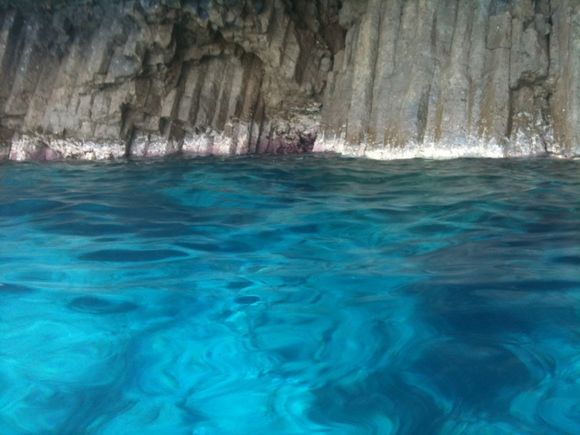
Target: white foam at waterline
{"points": [[471, 148], [25, 147]]}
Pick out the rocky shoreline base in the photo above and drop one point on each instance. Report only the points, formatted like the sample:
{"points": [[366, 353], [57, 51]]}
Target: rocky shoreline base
{"points": [[42, 148]]}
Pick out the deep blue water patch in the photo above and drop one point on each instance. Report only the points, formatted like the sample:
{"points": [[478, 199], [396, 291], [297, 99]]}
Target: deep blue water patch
{"points": [[247, 299], [290, 296], [94, 305]]}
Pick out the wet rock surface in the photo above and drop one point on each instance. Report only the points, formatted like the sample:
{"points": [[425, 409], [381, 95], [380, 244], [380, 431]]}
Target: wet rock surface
{"points": [[105, 79]]}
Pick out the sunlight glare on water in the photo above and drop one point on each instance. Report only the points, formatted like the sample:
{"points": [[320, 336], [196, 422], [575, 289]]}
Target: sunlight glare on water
{"points": [[290, 296]]}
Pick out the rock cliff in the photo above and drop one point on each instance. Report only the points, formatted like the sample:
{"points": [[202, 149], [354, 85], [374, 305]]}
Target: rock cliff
{"points": [[101, 79], [453, 78]]}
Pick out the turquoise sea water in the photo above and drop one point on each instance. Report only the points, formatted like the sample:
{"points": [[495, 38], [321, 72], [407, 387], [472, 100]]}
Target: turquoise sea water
{"points": [[290, 296]]}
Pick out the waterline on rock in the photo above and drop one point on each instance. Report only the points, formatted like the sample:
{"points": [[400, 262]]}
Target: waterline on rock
{"points": [[469, 148], [48, 148]]}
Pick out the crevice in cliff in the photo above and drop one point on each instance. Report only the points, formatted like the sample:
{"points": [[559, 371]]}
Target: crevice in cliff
{"points": [[510, 99], [374, 73], [548, 86], [425, 99]]}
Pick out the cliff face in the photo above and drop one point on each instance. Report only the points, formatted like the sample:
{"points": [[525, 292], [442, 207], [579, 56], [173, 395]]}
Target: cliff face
{"points": [[383, 78], [104, 79], [447, 77]]}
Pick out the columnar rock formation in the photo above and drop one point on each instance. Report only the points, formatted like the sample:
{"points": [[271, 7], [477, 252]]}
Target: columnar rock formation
{"points": [[105, 78], [98, 79], [491, 77]]}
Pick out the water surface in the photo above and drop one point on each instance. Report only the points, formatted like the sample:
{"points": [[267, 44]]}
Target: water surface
{"points": [[290, 296]]}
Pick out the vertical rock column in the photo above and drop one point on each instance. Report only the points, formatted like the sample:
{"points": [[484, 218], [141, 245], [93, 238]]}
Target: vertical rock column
{"points": [[565, 76]]}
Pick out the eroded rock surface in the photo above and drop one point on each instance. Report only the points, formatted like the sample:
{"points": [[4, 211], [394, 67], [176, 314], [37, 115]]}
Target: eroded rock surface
{"points": [[107, 79], [455, 78]]}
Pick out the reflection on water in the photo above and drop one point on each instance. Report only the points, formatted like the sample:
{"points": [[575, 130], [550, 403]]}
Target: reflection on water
{"points": [[299, 295]]}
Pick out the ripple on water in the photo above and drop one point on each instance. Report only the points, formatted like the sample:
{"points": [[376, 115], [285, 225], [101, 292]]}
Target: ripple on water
{"points": [[14, 289], [290, 295], [132, 255], [93, 305]]}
